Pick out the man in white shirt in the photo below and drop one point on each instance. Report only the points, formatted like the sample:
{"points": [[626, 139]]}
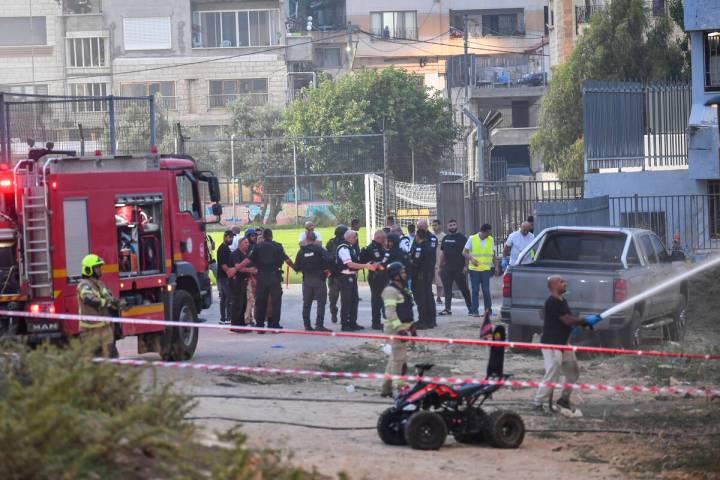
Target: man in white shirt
{"points": [[309, 227], [516, 243]]}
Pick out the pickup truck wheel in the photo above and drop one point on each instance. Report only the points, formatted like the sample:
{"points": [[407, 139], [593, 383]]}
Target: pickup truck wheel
{"points": [[630, 335], [518, 333], [675, 332]]}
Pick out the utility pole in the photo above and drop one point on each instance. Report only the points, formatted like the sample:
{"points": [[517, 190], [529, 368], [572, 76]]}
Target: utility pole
{"points": [[295, 182], [466, 58], [232, 172], [386, 180]]}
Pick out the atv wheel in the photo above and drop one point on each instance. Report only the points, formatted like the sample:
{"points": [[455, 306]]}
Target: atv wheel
{"points": [[179, 343], [390, 428], [426, 431], [505, 429]]}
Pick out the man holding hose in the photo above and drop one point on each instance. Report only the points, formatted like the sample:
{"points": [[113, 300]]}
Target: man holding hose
{"points": [[557, 327]]}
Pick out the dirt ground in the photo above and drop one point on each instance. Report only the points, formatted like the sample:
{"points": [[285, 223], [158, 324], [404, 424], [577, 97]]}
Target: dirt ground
{"points": [[329, 425]]}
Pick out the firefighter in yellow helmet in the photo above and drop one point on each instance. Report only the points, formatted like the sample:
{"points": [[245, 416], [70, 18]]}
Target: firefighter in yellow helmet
{"points": [[94, 298]]}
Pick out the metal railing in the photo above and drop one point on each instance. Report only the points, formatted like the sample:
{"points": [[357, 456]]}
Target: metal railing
{"points": [[114, 125], [506, 71], [632, 125], [224, 100], [696, 218], [395, 34]]}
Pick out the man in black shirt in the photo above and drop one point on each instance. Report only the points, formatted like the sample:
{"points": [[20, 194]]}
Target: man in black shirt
{"points": [[225, 270], [394, 252], [313, 261], [268, 257], [557, 327], [453, 266], [375, 253], [238, 283]]}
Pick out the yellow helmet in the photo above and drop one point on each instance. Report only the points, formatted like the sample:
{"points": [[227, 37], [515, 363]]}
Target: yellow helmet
{"points": [[89, 263]]}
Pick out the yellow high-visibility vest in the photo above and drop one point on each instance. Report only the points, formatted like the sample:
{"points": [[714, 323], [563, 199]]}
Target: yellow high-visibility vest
{"points": [[483, 254]]}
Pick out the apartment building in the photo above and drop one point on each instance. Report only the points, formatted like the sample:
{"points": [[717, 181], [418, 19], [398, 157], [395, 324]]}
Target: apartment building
{"points": [[568, 19], [199, 55]]}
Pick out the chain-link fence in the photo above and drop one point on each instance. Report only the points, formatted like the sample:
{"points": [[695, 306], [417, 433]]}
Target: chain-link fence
{"points": [[113, 125]]}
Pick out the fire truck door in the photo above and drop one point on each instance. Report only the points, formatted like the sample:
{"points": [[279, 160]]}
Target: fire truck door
{"points": [[190, 237]]}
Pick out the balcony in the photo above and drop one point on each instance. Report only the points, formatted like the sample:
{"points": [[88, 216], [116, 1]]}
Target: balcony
{"points": [[502, 75], [225, 100], [395, 34], [82, 7], [327, 16]]}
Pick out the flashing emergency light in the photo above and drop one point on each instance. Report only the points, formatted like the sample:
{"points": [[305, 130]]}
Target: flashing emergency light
{"points": [[51, 309], [34, 308], [5, 183], [53, 185]]}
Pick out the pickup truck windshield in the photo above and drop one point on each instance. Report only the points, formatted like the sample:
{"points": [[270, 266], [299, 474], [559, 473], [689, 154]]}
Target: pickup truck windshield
{"points": [[584, 247]]}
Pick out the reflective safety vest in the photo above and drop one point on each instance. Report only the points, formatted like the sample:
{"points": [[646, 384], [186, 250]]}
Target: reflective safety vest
{"points": [[483, 254], [95, 299]]}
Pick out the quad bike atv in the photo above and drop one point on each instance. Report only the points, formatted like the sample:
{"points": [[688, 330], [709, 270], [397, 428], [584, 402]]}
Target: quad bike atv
{"points": [[424, 415]]}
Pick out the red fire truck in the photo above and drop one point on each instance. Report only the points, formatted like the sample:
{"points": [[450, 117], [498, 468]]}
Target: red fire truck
{"points": [[143, 214]]}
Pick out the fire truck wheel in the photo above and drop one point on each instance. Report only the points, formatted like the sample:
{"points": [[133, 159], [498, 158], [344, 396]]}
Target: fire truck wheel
{"points": [[182, 340]]}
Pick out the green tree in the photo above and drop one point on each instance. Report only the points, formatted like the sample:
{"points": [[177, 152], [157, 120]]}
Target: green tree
{"points": [[263, 157], [622, 43]]}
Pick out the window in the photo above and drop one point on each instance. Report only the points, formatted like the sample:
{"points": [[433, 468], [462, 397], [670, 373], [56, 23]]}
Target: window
{"points": [[329, 57], [712, 61], [186, 196], [19, 31], [89, 90], [649, 249], [714, 210], [86, 52], [520, 114], [77, 238], [582, 247], [138, 223], [236, 28], [80, 7], [142, 89], [394, 24], [633, 259], [37, 89], [148, 33], [546, 18], [659, 248], [499, 25], [224, 92]]}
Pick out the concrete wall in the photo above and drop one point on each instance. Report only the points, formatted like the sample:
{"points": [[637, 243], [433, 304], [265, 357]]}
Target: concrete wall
{"points": [[28, 64], [701, 14], [670, 182]]}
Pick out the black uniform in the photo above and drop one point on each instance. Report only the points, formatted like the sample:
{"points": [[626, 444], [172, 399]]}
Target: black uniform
{"points": [[223, 284], [334, 279], [453, 268], [428, 264], [397, 254], [268, 258], [422, 260], [313, 261], [238, 287], [349, 297], [375, 253]]}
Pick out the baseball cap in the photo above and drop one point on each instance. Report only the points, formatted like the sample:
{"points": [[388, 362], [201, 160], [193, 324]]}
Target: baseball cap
{"points": [[250, 231]]}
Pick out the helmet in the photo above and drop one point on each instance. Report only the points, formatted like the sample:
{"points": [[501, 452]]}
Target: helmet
{"points": [[340, 230], [89, 263], [395, 269]]}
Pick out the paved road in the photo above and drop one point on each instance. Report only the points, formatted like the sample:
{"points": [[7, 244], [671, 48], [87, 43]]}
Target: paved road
{"points": [[219, 346]]}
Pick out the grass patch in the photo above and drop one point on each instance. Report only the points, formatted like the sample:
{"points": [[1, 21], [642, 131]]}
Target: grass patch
{"points": [[288, 237]]}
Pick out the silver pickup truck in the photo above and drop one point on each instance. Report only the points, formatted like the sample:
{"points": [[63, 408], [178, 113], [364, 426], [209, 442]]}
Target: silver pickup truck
{"points": [[603, 267]]}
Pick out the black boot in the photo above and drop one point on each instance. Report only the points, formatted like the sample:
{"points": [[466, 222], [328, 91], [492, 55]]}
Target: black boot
{"points": [[319, 327], [306, 323]]}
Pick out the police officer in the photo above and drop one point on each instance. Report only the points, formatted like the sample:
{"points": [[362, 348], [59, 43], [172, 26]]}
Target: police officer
{"points": [[347, 261], [432, 244], [94, 298], [423, 269], [398, 321], [334, 278], [375, 253], [252, 236], [313, 261], [268, 258]]}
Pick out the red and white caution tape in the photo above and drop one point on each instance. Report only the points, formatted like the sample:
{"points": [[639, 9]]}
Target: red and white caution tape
{"points": [[689, 391], [367, 336]]}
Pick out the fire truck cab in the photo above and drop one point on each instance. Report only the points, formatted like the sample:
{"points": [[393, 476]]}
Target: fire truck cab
{"points": [[143, 214]]}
